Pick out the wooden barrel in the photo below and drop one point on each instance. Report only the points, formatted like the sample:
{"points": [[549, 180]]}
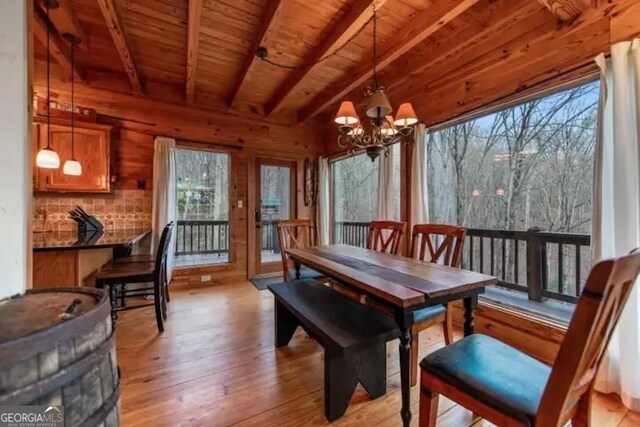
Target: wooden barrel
{"points": [[57, 347]]}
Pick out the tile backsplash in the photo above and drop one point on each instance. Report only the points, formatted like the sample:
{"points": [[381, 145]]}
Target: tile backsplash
{"points": [[125, 209]]}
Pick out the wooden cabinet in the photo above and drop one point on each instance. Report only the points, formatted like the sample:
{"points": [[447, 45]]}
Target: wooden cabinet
{"points": [[92, 150]]}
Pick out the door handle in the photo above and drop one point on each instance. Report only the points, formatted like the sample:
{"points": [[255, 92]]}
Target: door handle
{"points": [[258, 219]]}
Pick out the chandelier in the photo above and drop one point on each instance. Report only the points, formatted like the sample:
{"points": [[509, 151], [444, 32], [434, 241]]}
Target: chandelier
{"points": [[380, 130]]}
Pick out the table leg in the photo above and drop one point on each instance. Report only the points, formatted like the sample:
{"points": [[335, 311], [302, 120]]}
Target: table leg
{"points": [[296, 266], [405, 375], [470, 304]]}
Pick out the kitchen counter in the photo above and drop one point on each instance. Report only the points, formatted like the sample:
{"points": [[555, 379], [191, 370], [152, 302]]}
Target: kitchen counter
{"points": [[69, 240], [64, 259]]}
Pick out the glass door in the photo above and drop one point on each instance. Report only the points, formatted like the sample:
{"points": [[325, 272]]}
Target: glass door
{"points": [[275, 201]]}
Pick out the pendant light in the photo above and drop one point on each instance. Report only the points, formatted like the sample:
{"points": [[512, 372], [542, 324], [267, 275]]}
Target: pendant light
{"points": [[72, 166], [47, 158]]}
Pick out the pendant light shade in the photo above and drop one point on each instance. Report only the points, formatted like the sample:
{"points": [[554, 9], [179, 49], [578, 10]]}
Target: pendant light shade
{"points": [[347, 114], [378, 105], [47, 159], [72, 167], [406, 116]]}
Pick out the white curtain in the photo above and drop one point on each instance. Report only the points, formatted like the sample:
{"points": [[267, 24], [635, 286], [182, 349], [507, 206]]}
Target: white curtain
{"points": [[164, 193], [385, 209], [616, 215], [419, 192], [324, 202]]}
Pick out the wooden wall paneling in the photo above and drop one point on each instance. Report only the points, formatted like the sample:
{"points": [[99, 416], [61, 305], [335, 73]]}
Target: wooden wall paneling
{"points": [[251, 220], [183, 121], [420, 28], [58, 49], [566, 10], [65, 21], [132, 159], [193, 43], [347, 26], [269, 15], [112, 19]]}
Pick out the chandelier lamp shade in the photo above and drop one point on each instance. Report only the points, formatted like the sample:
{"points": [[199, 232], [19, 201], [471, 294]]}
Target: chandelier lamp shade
{"points": [[380, 130]]}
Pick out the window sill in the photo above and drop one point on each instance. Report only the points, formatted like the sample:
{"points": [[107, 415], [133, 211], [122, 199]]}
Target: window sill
{"points": [[555, 311]]}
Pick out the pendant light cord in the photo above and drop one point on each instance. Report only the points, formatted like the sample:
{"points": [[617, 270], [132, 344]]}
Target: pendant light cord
{"points": [[73, 107], [48, 80]]}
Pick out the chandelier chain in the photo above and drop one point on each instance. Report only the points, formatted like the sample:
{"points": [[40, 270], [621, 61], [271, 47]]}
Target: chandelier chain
{"points": [[328, 56], [374, 46]]}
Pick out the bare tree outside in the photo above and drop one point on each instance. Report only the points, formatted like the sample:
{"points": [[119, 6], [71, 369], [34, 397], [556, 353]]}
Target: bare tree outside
{"points": [[202, 186]]}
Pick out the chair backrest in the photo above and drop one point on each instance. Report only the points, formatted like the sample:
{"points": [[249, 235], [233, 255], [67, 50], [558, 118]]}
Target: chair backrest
{"points": [[385, 236], [599, 307], [294, 234], [163, 247], [426, 244]]}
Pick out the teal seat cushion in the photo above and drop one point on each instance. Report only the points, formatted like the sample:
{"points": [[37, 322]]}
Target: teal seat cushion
{"points": [[494, 373], [423, 314]]}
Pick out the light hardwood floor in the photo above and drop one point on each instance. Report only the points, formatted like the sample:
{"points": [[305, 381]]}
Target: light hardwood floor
{"points": [[215, 365]]}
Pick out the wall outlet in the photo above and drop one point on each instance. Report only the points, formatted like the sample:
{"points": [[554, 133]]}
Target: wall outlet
{"points": [[240, 204], [205, 278]]}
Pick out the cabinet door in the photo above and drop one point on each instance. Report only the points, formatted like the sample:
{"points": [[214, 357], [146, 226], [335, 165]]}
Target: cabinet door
{"points": [[91, 150]]}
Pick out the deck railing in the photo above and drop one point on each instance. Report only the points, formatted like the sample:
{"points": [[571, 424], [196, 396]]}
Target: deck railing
{"points": [[198, 237], [540, 263], [202, 237]]}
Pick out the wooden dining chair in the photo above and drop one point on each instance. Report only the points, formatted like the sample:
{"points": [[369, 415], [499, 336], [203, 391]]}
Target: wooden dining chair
{"points": [[298, 234], [510, 388], [116, 277], [385, 236], [441, 244]]}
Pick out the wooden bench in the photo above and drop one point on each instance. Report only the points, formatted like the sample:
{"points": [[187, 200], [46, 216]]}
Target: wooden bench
{"points": [[353, 337]]}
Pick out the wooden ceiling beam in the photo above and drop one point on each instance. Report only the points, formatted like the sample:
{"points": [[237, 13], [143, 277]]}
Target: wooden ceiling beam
{"points": [[566, 10], [65, 21], [193, 43], [58, 49], [422, 26], [346, 27], [266, 24], [114, 24]]}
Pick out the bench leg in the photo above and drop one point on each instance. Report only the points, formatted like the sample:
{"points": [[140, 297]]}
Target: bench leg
{"points": [[372, 370], [340, 381], [285, 324]]}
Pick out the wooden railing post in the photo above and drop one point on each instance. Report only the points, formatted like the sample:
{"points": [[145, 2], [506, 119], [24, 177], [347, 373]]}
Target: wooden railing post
{"points": [[536, 264]]}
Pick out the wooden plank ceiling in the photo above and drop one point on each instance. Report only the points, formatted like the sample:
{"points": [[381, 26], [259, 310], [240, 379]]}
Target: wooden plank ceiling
{"points": [[445, 56]]}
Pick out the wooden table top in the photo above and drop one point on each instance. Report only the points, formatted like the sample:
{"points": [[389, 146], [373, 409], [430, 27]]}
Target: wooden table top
{"points": [[399, 280]]}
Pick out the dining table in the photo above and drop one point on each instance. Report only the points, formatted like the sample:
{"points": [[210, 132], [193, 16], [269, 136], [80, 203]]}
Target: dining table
{"points": [[399, 286]]}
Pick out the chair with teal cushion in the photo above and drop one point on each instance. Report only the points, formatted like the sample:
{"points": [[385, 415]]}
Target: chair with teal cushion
{"points": [[510, 388]]}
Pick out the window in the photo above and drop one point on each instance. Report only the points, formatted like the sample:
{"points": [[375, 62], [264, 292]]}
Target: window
{"points": [[525, 167], [355, 196], [203, 207]]}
